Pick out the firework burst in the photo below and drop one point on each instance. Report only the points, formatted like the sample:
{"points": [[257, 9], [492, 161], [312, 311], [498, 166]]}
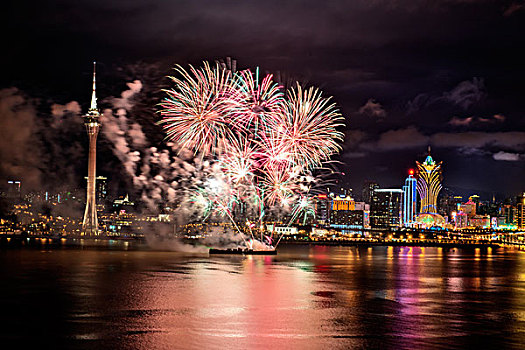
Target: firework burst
{"points": [[307, 128], [263, 143], [195, 110], [255, 101]]}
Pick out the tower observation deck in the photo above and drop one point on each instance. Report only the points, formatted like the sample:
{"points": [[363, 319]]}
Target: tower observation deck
{"points": [[91, 121]]}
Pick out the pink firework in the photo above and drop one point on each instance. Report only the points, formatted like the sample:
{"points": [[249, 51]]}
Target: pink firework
{"points": [[308, 128], [196, 109], [279, 186], [255, 100], [238, 162]]}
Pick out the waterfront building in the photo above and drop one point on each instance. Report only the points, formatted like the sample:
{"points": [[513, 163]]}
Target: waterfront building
{"points": [[429, 179], [520, 212], [347, 214], [92, 124], [385, 208], [468, 208], [282, 230], [510, 213], [461, 220], [409, 199], [322, 209], [480, 221]]}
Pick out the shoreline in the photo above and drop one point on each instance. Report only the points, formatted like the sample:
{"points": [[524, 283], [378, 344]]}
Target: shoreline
{"points": [[141, 243]]}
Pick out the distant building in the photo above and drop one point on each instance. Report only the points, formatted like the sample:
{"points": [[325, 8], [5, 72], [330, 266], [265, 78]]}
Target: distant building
{"points": [[468, 208], [488, 208], [385, 209], [510, 213], [322, 209], [368, 191], [123, 203], [346, 214], [447, 202], [14, 189], [461, 220], [409, 199], [102, 189], [480, 221], [474, 198], [520, 212], [282, 230], [428, 184]]}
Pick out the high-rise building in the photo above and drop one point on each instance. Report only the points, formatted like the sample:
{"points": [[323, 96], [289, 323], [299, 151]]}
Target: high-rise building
{"points": [[101, 191], [409, 199], [322, 210], [347, 214], [428, 183], [446, 202], [510, 213], [91, 121], [102, 188], [385, 209], [520, 208], [368, 190]]}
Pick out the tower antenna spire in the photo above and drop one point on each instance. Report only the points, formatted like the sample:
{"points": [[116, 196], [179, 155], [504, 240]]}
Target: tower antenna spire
{"points": [[428, 146], [94, 95]]}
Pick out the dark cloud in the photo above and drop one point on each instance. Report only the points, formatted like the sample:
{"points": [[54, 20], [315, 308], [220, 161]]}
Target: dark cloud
{"points": [[461, 121], [464, 95], [398, 140], [372, 108], [513, 8], [512, 140], [468, 121]]}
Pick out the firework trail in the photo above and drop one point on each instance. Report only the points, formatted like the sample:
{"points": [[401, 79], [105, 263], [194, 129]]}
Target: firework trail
{"points": [[259, 144]]}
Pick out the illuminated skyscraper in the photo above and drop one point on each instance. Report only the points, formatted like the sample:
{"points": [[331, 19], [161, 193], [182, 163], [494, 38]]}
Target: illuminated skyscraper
{"points": [[386, 206], [428, 183], [409, 199], [90, 223], [521, 211]]}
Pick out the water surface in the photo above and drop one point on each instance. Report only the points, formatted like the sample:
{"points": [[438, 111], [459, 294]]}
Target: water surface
{"points": [[304, 298]]}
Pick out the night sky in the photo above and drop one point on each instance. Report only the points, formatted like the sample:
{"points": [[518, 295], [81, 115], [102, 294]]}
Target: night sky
{"points": [[406, 74]]}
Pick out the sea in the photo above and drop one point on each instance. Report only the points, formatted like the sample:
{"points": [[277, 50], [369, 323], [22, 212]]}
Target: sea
{"points": [[305, 297]]}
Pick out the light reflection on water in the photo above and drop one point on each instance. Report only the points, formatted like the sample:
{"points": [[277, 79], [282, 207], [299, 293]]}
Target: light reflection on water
{"points": [[305, 297]]}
